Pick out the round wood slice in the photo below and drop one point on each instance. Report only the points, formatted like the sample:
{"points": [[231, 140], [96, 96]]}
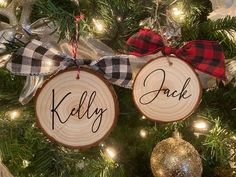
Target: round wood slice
{"points": [[4, 172], [78, 113], [167, 93]]}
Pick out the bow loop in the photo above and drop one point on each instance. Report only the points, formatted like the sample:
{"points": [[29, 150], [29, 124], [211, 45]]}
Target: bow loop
{"points": [[39, 60], [206, 56]]}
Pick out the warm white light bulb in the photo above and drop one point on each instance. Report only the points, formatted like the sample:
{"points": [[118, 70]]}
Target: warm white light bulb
{"points": [[143, 133], [14, 114], [143, 117], [200, 125], [99, 25], [3, 3], [111, 152], [119, 19], [177, 12], [25, 163]]}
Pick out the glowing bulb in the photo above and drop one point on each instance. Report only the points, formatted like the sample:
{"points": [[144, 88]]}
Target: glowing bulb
{"points": [[3, 3], [119, 19], [143, 117], [143, 133], [14, 114], [111, 153], [177, 12], [25, 163], [200, 125], [99, 25]]}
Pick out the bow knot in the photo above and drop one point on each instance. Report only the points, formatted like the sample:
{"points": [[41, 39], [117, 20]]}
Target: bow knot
{"points": [[206, 56], [167, 51]]}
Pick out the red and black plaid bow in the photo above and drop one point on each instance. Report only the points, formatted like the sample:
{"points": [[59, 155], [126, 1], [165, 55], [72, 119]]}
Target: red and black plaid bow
{"points": [[206, 56]]}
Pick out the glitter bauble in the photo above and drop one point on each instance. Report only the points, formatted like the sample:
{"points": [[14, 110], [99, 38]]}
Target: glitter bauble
{"points": [[175, 157]]}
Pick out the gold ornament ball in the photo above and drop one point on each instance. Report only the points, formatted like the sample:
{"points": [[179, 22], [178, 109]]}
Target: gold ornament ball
{"points": [[175, 157]]}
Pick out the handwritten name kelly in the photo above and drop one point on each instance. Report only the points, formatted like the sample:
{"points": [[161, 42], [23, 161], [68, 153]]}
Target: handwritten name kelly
{"points": [[149, 97], [96, 114]]}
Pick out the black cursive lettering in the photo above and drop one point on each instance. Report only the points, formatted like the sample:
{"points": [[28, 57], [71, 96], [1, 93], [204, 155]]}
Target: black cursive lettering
{"points": [[54, 110], [148, 97], [96, 114]]}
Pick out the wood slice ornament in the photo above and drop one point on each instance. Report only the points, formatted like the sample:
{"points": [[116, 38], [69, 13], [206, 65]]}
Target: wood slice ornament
{"points": [[167, 93], [78, 113], [4, 172]]}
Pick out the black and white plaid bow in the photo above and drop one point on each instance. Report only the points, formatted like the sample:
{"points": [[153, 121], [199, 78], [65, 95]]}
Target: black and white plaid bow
{"points": [[37, 59]]}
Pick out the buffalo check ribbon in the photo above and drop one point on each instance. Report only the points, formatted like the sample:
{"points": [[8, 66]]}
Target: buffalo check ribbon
{"points": [[37, 59], [203, 55]]}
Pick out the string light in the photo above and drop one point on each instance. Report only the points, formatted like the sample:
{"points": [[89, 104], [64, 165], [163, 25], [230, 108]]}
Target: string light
{"points": [[176, 11], [111, 152], [119, 19], [25, 163], [99, 26], [3, 3], [143, 133], [102, 144], [14, 114], [201, 126], [177, 14], [143, 117]]}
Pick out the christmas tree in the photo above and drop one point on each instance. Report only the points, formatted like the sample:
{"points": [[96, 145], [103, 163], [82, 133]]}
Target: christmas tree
{"points": [[26, 151]]}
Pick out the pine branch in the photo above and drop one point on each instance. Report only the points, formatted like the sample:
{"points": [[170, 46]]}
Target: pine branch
{"points": [[217, 144], [225, 24], [197, 11], [10, 83], [121, 19], [64, 18], [221, 30], [103, 166]]}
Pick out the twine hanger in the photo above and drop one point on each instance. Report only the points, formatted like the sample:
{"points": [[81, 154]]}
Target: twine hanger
{"points": [[156, 21]]}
